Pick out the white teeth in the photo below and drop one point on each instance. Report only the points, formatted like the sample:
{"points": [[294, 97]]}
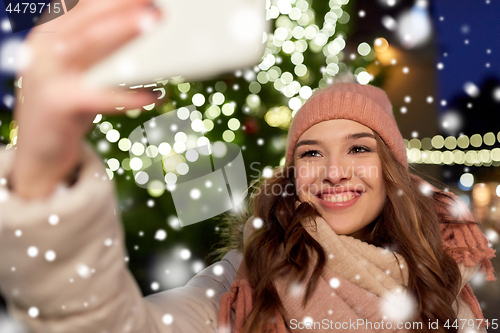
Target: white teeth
{"points": [[339, 198]]}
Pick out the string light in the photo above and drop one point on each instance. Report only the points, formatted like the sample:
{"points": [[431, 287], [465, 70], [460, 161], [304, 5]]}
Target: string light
{"points": [[483, 157], [451, 142]]}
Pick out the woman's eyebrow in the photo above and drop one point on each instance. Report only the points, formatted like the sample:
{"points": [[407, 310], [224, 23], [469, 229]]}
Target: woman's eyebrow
{"points": [[307, 142], [350, 136], [353, 136]]}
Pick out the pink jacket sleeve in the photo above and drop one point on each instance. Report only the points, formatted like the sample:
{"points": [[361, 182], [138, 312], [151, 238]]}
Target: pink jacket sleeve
{"points": [[63, 269]]}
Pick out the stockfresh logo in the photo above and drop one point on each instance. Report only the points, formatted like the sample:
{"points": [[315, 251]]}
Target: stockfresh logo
{"points": [[27, 14], [205, 178]]}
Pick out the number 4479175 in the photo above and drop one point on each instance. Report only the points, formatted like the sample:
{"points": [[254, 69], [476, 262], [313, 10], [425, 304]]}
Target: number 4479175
{"points": [[33, 7]]}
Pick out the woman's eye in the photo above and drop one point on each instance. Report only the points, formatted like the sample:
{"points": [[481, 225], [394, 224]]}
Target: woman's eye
{"points": [[359, 149], [310, 153]]}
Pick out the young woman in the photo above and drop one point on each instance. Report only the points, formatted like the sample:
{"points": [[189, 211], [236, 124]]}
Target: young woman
{"points": [[337, 234], [352, 228]]}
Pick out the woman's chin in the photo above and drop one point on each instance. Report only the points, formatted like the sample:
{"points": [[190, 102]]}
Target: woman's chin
{"points": [[339, 230]]}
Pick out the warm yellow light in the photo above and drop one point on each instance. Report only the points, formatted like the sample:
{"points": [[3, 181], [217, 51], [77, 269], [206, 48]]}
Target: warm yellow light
{"points": [[448, 157], [471, 157], [415, 143], [463, 141], [459, 157], [386, 57], [436, 157], [438, 142], [279, 117], [489, 139], [381, 44], [426, 143], [476, 140], [426, 157], [414, 155], [450, 142], [495, 154], [228, 135], [481, 194], [484, 156]]}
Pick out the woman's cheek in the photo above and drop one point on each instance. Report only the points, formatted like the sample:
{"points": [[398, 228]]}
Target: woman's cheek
{"points": [[369, 171], [302, 183], [302, 188]]}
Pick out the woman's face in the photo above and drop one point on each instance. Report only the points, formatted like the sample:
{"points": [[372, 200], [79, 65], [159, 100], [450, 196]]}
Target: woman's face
{"points": [[338, 170]]}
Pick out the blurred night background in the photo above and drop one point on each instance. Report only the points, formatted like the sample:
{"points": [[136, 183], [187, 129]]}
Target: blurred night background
{"points": [[437, 60]]}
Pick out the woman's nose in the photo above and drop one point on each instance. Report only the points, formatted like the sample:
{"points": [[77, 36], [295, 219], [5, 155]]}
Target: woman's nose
{"points": [[336, 169]]}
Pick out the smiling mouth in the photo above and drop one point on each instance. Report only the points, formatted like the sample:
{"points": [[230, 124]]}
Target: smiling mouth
{"points": [[339, 201], [338, 197]]}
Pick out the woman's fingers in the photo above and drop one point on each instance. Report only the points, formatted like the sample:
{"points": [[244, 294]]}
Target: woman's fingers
{"points": [[107, 101], [66, 96]]}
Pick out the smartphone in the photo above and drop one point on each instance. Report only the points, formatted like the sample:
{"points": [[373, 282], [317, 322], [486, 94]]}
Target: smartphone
{"points": [[195, 39]]}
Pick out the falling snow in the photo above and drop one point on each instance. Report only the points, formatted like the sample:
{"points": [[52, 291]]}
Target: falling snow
{"points": [[308, 322], [32, 251], [4, 195], [398, 306], [198, 266], [168, 319], [426, 189], [297, 290], [218, 270], [53, 219], [496, 94], [33, 312], [257, 223], [471, 89], [83, 270], [50, 255], [161, 235], [185, 254], [210, 293], [334, 283], [492, 235]]}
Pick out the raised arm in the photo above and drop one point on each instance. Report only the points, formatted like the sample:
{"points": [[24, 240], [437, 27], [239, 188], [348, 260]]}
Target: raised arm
{"points": [[62, 266], [54, 110]]}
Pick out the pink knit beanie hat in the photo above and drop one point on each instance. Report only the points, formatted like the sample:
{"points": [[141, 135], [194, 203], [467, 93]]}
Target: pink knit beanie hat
{"points": [[365, 104]]}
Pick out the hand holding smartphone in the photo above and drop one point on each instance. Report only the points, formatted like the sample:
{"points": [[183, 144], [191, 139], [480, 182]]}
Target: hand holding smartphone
{"points": [[196, 39]]}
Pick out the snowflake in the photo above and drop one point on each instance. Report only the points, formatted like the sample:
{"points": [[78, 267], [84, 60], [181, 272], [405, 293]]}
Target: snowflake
{"points": [[398, 306], [334, 283], [168, 319]]}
